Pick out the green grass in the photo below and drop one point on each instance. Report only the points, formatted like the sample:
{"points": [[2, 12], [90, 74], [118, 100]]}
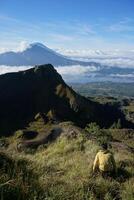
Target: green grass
{"points": [[63, 170]]}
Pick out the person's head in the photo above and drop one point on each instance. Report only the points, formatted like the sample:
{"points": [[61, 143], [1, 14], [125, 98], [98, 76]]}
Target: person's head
{"points": [[104, 146]]}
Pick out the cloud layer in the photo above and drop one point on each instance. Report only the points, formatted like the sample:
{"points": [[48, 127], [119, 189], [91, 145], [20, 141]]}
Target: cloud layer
{"points": [[8, 69], [81, 74], [122, 59], [77, 73]]}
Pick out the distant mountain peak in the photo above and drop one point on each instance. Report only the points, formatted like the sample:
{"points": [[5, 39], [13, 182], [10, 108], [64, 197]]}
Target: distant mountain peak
{"points": [[36, 54], [38, 44]]}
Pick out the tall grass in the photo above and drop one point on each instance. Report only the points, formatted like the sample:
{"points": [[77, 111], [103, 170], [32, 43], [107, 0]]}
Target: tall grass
{"points": [[63, 171]]}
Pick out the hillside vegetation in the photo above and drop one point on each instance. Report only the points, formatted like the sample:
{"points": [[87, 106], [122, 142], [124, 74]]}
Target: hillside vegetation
{"points": [[49, 136], [62, 168]]}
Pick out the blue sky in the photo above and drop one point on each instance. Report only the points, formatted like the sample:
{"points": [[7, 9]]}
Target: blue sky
{"points": [[71, 24]]}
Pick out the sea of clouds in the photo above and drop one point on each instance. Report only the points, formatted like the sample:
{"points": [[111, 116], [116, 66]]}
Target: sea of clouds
{"points": [[77, 73], [116, 58], [110, 58], [8, 69]]}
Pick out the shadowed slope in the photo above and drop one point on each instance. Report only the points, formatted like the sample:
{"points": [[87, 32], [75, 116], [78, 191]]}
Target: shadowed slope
{"points": [[42, 89]]}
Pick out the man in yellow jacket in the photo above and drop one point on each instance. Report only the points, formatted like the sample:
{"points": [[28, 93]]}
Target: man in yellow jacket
{"points": [[104, 162]]}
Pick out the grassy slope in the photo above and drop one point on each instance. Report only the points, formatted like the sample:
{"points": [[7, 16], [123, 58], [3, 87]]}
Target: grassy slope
{"points": [[63, 170]]}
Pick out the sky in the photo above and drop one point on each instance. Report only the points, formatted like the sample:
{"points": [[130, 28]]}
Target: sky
{"points": [[68, 24]]}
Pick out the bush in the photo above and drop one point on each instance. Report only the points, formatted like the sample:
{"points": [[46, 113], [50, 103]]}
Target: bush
{"points": [[101, 135], [92, 129]]}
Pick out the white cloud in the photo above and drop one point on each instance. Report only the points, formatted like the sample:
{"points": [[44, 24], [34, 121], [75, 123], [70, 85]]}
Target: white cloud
{"points": [[7, 69], [7, 18], [77, 73], [123, 75], [121, 28], [85, 53], [3, 50], [17, 48], [117, 62], [76, 69], [23, 45], [66, 70], [123, 59], [61, 37], [125, 25]]}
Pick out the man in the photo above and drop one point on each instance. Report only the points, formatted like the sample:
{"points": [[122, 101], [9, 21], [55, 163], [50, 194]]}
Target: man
{"points": [[104, 162]]}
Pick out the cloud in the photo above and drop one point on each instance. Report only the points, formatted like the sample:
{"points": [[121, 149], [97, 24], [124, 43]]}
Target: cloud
{"points": [[7, 69], [61, 37], [77, 73], [23, 45], [84, 29], [125, 25], [123, 75], [73, 27], [117, 62], [3, 49], [7, 18], [122, 59], [19, 47], [68, 34], [83, 53], [56, 32], [76, 69]]}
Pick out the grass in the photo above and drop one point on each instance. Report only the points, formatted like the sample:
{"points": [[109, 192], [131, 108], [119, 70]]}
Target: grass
{"points": [[62, 170]]}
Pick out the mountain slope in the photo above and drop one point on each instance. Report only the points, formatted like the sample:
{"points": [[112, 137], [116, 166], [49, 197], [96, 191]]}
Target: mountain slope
{"points": [[42, 90], [37, 54]]}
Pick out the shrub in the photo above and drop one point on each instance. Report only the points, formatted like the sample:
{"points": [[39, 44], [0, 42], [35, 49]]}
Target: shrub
{"points": [[101, 135], [92, 129]]}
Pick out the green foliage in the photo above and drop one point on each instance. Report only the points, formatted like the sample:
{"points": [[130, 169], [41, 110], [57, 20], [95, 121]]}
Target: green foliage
{"points": [[101, 135], [93, 129], [116, 125]]}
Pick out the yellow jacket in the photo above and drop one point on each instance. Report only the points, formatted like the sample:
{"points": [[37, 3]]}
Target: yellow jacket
{"points": [[104, 161]]}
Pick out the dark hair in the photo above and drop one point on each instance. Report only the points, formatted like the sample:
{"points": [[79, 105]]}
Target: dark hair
{"points": [[104, 146]]}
